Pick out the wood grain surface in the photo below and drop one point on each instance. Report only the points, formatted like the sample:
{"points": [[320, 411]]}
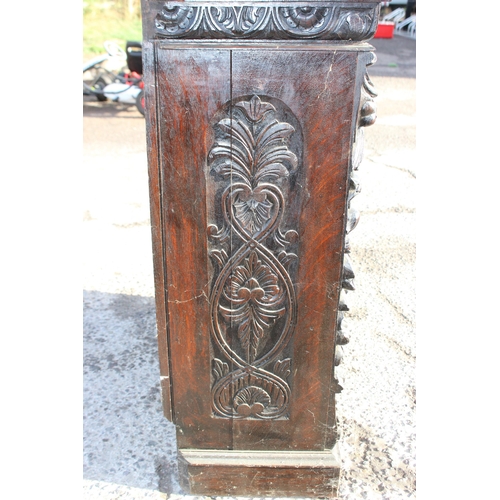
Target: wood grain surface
{"points": [[318, 90]]}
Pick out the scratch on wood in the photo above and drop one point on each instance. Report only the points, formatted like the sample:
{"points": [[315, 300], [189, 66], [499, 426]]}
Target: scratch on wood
{"points": [[253, 478], [313, 310], [314, 416], [202, 294], [327, 79]]}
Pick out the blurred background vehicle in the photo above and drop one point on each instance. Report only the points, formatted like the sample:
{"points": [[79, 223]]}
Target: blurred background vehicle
{"points": [[116, 75]]}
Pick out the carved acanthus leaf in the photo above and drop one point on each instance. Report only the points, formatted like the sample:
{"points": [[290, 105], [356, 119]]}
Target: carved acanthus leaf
{"points": [[219, 368], [282, 368]]}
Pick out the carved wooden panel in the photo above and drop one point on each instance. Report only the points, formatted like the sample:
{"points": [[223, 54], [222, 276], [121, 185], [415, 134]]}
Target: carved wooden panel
{"points": [[252, 300]]}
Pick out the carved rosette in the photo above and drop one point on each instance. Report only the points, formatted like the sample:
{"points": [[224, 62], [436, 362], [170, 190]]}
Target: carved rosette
{"points": [[252, 300], [177, 21], [303, 22], [334, 22], [366, 117]]}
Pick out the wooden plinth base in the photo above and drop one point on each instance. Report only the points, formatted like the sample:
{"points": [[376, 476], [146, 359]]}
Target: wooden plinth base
{"points": [[260, 473]]}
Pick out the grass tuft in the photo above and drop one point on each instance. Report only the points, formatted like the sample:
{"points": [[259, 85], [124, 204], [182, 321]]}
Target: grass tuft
{"points": [[107, 21]]}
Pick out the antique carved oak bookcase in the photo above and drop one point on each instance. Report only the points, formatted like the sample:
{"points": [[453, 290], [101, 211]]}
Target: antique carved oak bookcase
{"points": [[254, 113]]}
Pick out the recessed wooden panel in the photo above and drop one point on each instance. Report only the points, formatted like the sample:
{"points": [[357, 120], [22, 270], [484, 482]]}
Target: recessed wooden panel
{"points": [[250, 376]]}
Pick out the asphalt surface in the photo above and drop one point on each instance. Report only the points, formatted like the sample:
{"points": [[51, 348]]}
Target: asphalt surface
{"points": [[129, 448]]}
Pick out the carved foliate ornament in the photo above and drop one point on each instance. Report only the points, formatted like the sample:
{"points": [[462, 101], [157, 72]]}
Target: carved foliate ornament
{"points": [[252, 300], [367, 115], [334, 22]]}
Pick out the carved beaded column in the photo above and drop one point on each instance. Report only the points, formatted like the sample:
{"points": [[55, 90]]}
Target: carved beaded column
{"points": [[254, 115]]}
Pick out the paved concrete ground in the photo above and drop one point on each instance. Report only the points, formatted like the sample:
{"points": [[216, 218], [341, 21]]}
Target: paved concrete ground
{"points": [[129, 447]]}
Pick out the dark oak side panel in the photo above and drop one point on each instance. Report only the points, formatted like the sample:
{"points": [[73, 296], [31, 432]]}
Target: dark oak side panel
{"points": [[191, 86], [154, 172], [316, 92]]}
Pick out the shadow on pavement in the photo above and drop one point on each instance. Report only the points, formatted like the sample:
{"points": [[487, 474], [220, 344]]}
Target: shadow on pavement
{"points": [[126, 439], [108, 109]]}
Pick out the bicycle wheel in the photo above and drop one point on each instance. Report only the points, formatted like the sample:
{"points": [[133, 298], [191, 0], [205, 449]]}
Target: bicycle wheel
{"points": [[99, 86], [139, 102], [94, 83]]}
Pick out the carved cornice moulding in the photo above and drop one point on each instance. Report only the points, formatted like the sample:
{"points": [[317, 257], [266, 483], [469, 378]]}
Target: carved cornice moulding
{"points": [[260, 20]]}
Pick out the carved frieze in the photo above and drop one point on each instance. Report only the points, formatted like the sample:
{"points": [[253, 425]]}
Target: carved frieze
{"points": [[332, 22]]}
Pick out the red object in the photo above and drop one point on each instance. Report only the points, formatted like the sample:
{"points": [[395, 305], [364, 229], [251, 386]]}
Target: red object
{"points": [[385, 30], [132, 78]]}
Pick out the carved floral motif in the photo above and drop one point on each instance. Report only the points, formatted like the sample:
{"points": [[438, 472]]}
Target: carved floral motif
{"points": [[305, 17], [175, 21], [251, 401], [256, 301]]}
